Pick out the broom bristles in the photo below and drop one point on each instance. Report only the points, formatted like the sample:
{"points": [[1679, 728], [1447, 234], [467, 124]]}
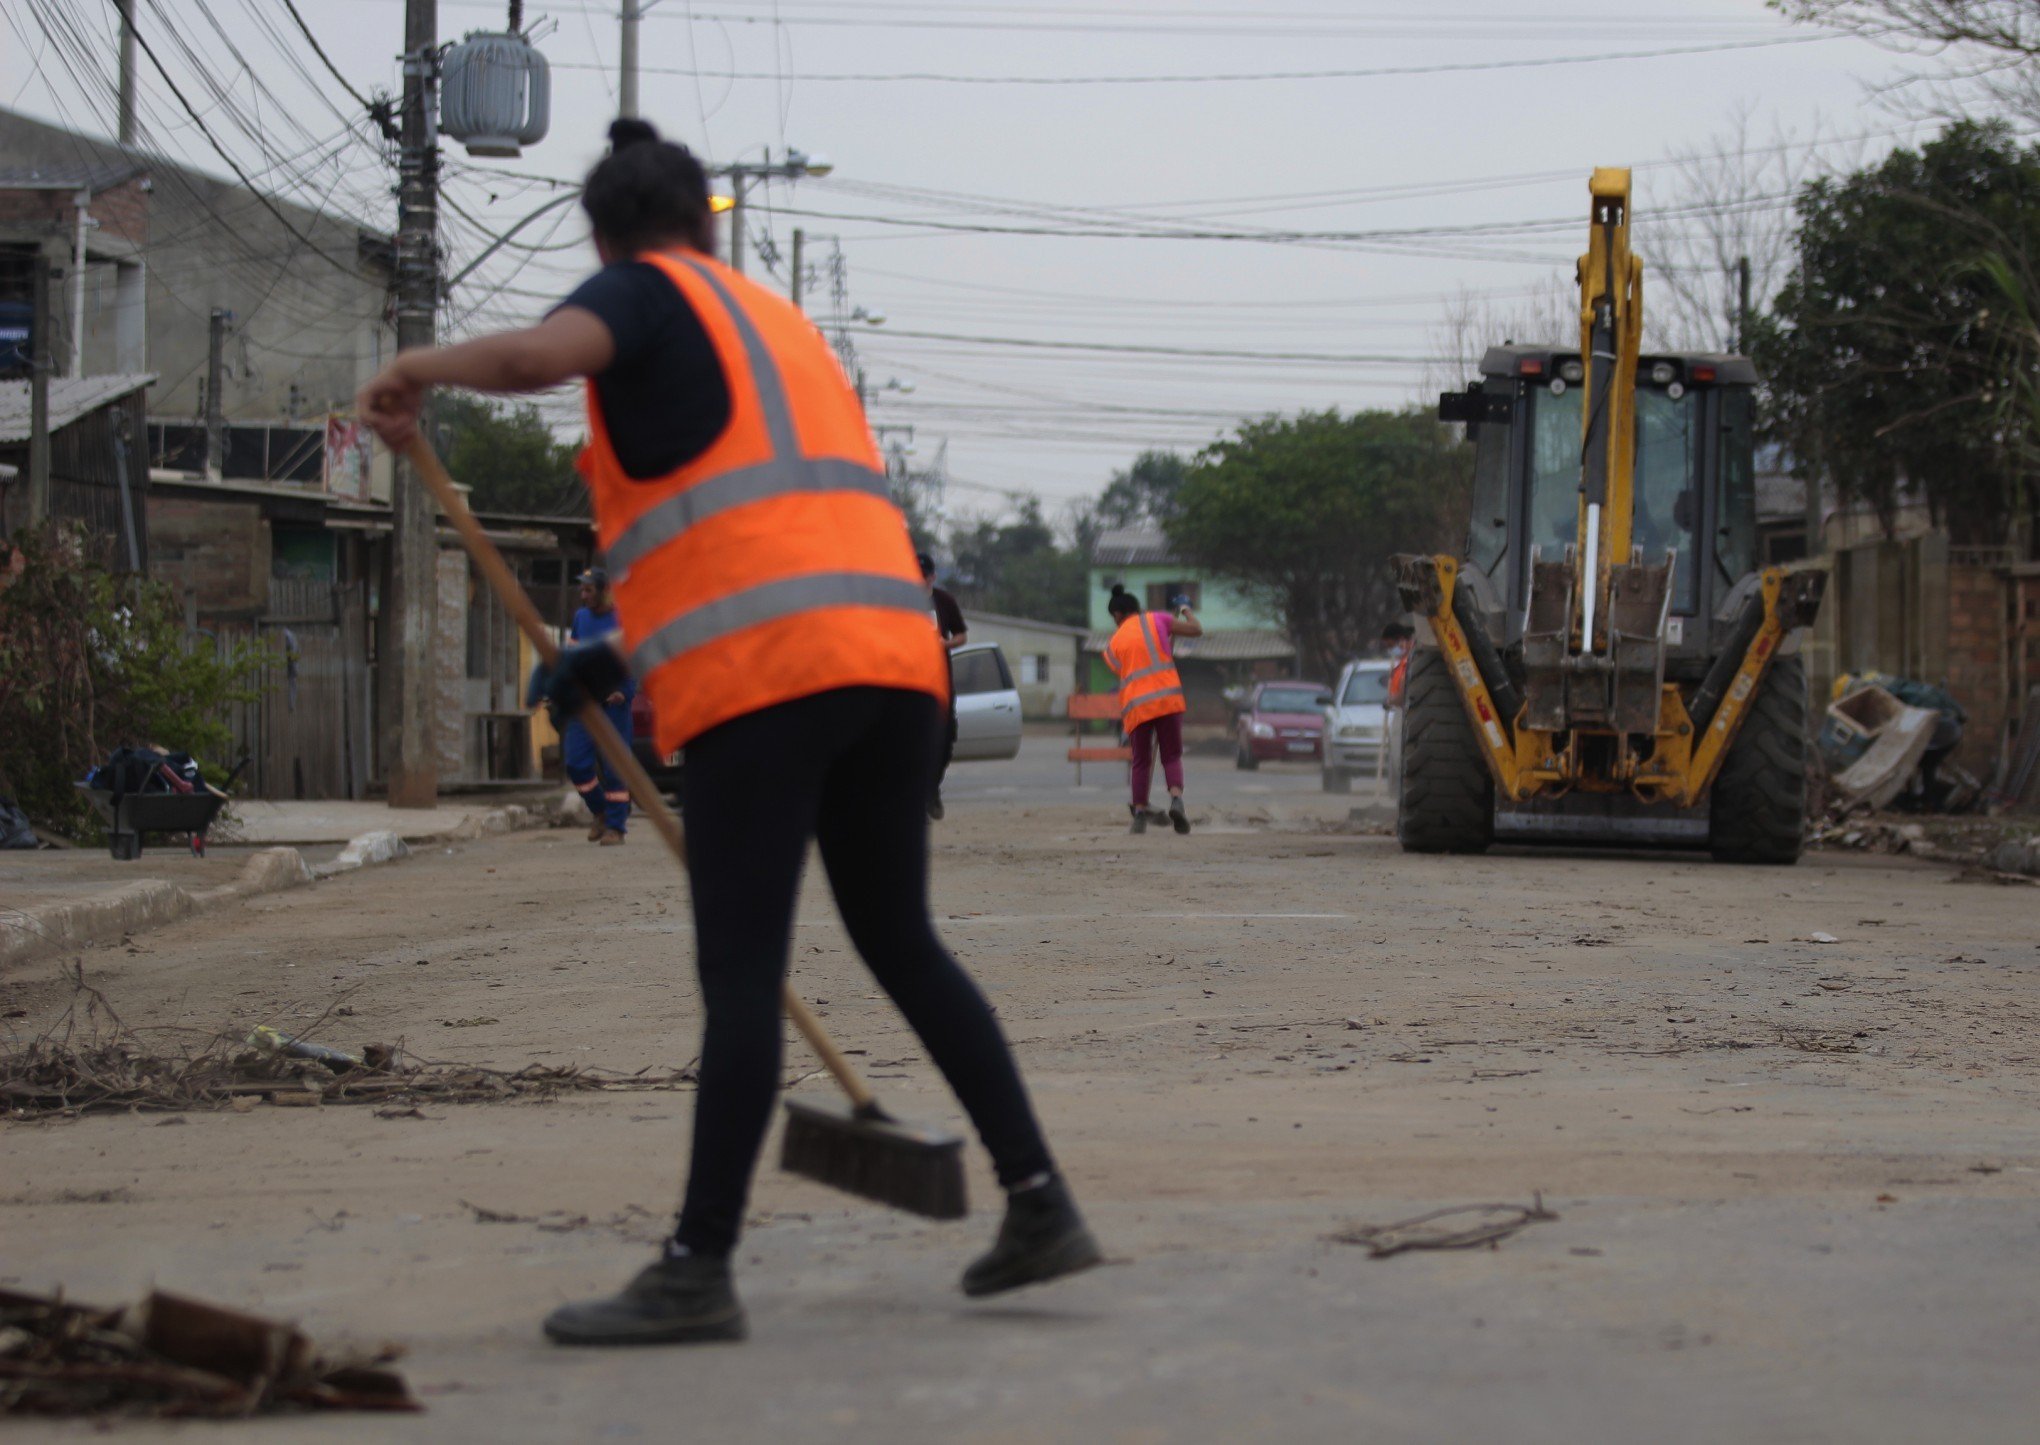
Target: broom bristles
{"points": [[909, 1167]]}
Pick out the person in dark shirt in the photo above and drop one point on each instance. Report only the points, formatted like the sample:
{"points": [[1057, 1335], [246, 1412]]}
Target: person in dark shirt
{"points": [[948, 622], [664, 397], [836, 767]]}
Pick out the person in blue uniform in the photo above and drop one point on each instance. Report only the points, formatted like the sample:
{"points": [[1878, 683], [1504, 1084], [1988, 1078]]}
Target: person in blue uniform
{"points": [[607, 798]]}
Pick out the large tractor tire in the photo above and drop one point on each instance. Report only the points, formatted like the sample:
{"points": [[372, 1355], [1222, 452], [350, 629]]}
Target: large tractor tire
{"points": [[1445, 795], [1758, 811]]}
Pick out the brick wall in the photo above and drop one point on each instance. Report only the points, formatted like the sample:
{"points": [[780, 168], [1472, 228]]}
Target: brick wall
{"points": [[219, 549], [123, 212], [1976, 659]]}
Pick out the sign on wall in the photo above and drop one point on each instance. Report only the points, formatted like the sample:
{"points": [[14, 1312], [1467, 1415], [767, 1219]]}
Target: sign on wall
{"points": [[350, 447]]}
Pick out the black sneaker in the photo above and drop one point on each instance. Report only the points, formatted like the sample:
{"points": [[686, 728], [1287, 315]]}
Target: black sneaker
{"points": [[935, 808], [1139, 819], [1041, 1238], [1177, 816], [687, 1299]]}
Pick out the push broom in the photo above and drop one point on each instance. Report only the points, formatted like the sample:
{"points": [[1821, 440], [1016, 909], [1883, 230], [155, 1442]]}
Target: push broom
{"points": [[860, 1149]]}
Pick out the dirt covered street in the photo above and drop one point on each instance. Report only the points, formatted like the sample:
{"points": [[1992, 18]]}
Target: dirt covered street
{"points": [[1797, 1182]]}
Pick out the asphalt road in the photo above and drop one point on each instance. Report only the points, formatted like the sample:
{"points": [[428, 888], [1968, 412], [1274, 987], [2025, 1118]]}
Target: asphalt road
{"points": [[1788, 1121], [1043, 773]]}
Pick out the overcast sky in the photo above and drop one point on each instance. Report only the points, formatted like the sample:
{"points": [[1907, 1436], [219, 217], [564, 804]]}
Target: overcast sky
{"points": [[948, 194]]}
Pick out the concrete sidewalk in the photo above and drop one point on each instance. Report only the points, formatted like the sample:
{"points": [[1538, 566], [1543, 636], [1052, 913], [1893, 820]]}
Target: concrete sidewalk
{"points": [[53, 900], [264, 824]]}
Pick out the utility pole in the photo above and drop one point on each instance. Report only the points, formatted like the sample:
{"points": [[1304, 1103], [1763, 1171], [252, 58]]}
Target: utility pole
{"points": [[627, 60], [737, 187], [411, 753], [742, 173], [215, 385], [39, 397], [126, 132], [794, 285], [1742, 310]]}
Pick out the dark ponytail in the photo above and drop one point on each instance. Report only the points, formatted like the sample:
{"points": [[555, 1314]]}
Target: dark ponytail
{"points": [[648, 193], [1122, 604]]}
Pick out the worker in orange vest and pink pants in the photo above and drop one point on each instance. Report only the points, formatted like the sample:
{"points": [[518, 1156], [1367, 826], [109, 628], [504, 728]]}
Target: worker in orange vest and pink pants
{"points": [[1151, 705]]}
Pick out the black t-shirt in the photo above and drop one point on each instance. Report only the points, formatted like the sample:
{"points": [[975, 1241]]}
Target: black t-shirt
{"points": [[948, 616], [664, 396]]}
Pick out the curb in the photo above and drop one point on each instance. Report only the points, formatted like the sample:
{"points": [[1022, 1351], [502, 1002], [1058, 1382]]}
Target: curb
{"points": [[129, 908]]}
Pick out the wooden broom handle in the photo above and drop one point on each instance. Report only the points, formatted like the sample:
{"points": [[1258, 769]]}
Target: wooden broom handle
{"points": [[503, 582]]}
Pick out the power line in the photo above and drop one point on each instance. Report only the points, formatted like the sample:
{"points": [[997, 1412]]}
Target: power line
{"points": [[1370, 73], [1135, 349], [325, 59]]}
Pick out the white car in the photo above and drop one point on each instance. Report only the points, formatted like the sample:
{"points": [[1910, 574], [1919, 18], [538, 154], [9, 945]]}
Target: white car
{"points": [[1358, 724], [987, 704]]}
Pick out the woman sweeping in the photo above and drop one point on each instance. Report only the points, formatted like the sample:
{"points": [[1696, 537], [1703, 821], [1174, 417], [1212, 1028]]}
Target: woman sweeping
{"points": [[772, 608], [1142, 655]]}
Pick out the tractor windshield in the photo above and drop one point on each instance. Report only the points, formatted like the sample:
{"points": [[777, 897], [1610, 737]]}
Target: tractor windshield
{"points": [[1667, 494], [1667, 462], [1554, 471]]}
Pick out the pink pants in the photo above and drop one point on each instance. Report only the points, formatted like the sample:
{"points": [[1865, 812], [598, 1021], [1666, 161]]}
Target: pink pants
{"points": [[1164, 733]]}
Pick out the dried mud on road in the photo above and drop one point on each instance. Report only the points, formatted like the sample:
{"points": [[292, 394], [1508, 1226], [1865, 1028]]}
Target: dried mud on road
{"points": [[1796, 1181]]}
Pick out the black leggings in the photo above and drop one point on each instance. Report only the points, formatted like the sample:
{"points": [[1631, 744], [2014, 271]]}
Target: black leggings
{"points": [[851, 769]]}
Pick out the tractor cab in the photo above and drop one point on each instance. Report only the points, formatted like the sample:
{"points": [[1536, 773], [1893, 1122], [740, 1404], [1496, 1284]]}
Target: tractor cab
{"points": [[1694, 492]]}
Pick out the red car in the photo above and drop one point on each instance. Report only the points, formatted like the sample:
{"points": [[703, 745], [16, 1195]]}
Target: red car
{"points": [[667, 771], [1281, 720]]}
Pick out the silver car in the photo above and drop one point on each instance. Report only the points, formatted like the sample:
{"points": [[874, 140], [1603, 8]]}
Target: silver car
{"points": [[1357, 724], [987, 704]]}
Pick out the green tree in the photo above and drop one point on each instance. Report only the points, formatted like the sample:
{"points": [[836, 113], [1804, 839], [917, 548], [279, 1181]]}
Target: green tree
{"points": [[90, 662], [1018, 567], [1886, 353], [1145, 494], [1307, 511], [509, 457]]}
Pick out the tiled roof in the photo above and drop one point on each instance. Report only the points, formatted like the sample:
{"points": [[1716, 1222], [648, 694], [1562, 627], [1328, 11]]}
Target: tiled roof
{"points": [[1000, 618], [1237, 644], [70, 398], [1131, 547]]}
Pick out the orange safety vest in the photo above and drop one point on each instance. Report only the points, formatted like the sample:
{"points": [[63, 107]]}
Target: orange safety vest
{"points": [[774, 565], [1149, 686]]}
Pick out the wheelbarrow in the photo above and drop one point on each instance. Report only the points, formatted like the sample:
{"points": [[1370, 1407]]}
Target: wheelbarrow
{"points": [[129, 816]]}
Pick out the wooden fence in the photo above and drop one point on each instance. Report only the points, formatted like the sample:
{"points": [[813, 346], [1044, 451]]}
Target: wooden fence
{"points": [[309, 732]]}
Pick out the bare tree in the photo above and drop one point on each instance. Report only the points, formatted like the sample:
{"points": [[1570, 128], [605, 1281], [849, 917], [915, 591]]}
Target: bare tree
{"points": [[1981, 48], [1723, 201], [1547, 314]]}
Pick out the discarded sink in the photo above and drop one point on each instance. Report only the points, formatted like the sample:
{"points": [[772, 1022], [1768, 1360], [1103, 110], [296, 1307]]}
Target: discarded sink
{"points": [[1871, 743]]}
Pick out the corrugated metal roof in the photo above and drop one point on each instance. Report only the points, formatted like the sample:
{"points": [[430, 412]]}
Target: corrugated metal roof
{"points": [[70, 398], [1131, 547], [69, 178], [1237, 644]]}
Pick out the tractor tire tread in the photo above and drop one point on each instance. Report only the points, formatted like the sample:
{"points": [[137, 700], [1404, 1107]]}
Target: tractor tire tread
{"points": [[1445, 793], [1758, 808]]}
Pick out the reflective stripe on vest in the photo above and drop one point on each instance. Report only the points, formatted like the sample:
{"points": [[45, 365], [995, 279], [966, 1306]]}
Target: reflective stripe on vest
{"points": [[1158, 666], [772, 600], [788, 472]]}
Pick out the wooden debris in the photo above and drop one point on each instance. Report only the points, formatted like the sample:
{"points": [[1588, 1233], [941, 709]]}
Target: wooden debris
{"points": [[172, 1356]]}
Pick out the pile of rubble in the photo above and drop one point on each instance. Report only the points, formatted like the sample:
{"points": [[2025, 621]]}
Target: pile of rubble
{"points": [[170, 1356]]}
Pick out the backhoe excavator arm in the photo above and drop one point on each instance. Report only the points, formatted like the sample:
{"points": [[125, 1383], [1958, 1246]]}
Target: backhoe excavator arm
{"points": [[1611, 341]]}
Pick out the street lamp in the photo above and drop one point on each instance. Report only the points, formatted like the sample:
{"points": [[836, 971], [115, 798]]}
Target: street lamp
{"points": [[742, 174]]}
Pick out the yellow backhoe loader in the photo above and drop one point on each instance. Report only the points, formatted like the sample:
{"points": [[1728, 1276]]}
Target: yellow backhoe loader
{"points": [[1607, 663]]}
